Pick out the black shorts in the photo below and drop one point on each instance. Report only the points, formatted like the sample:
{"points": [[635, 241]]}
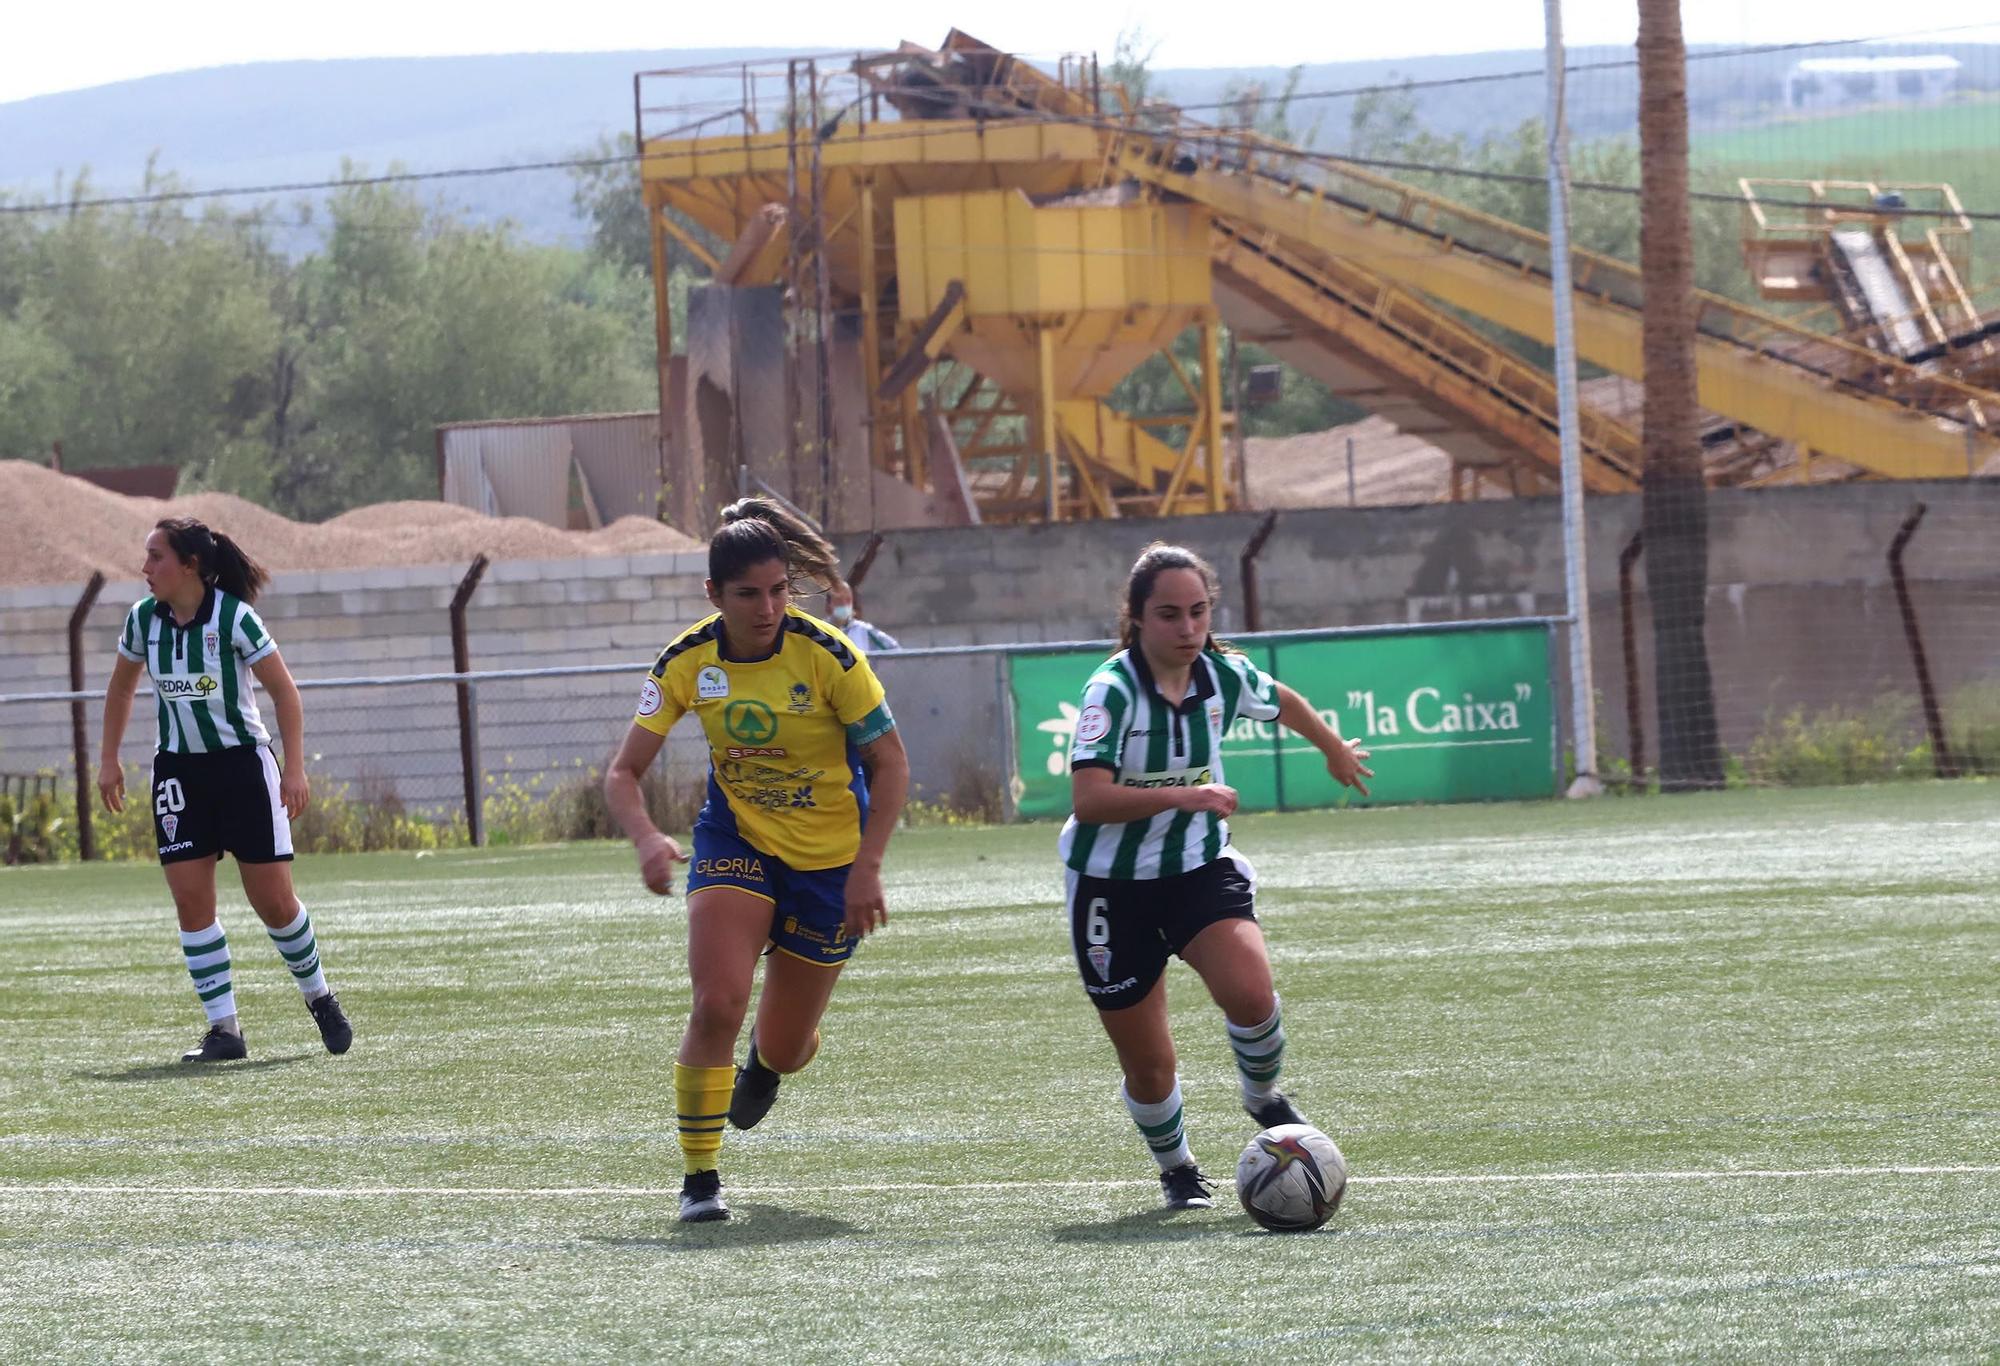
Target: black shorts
{"points": [[1123, 929], [223, 802]]}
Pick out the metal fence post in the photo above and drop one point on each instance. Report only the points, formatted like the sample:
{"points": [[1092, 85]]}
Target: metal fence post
{"points": [[1635, 719], [1253, 606], [468, 718], [86, 836], [1010, 808], [1941, 758]]}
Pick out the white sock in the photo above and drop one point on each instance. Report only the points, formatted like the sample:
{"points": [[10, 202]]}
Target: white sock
{"points": [[1260, 1054], [1161, 1124], [207, 954], [301, 954]]}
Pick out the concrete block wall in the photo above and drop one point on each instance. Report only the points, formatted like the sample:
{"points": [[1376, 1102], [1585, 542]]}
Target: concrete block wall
{"points": [[366, 624], [1801, 613]]}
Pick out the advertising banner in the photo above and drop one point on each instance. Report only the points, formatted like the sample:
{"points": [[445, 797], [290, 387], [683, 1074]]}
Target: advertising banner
{"points": [[1453, 715]]}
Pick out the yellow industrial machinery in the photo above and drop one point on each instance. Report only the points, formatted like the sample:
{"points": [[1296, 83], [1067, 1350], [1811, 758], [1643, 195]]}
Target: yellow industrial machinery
{"points": [[1033, 228]]}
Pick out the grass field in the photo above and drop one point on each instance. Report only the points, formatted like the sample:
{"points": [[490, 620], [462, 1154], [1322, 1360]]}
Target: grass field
{"points": [[1686, 1078]]}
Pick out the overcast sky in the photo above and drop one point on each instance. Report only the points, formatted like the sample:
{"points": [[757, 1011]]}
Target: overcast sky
{"points": [[50, 46]]}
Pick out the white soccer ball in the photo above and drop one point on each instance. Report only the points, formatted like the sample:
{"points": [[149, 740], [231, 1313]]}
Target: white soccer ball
{"points": [[1291, 1177]]}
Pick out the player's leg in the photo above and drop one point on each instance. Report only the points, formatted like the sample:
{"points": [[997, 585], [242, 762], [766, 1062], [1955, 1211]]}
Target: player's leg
{"points": [[785, 1036], [205, 949], [727, 927], [1230, 955], [184, 825], [290, 926], [1151, 1090], [809, 945], [1121, 959], [257, 830]]}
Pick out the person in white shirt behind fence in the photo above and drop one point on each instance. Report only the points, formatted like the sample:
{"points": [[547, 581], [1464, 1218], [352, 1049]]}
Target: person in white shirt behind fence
{"points": [[872, 640]]}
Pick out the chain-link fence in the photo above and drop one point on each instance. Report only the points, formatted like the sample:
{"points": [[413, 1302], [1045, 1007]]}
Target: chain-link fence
{"points": [[398, 760]]}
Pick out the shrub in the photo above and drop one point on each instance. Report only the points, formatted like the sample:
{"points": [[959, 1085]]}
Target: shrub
{"points": [[1972, 727], [541, 812], [1838, 745]]}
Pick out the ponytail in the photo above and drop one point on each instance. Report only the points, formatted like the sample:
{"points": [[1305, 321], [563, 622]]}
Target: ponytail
{"points": [[217, 558], [757, 529]]}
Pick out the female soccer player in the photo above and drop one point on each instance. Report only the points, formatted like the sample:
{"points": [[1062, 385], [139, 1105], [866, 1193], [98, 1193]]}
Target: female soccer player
{"points": [[1149, 866], [806, 779], [216, 788]]}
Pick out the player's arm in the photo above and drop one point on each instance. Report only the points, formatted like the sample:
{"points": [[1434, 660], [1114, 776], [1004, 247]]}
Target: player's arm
{"points": [[1343, 757], [117, 715], [276, 680], [1097, 798], [886, 765], [627, 802]]}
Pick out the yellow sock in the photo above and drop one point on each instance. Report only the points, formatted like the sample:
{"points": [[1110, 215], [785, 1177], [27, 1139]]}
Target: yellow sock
{"points": [[701, 1095]]}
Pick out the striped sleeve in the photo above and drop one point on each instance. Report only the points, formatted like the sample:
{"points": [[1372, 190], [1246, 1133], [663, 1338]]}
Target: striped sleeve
{"points": [[1257, 698], [1099, 741], [132, 639], [249, 638]]}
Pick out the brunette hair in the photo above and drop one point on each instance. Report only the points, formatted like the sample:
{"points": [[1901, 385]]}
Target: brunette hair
{"points": [[755, 529], [219, 560], [1154, 561]]}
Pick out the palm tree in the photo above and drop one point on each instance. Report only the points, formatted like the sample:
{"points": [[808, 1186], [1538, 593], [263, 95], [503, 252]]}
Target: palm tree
{"points": [[1675, 512]]}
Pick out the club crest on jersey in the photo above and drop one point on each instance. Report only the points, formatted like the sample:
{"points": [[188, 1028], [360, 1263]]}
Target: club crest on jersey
{"points": [[1215, 716], [801, 703], [1100, 958], [211, 642], [170, 823], [711, 683], [1092, 725]]}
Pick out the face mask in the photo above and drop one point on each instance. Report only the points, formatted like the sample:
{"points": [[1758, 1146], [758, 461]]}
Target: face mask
{"points": [[842, 614]]}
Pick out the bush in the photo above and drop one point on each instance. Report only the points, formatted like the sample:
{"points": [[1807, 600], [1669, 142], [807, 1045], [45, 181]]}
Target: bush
{"points": [[1972, 728], [539, 812], [336, 821], [1839, 745], [43, 828]]}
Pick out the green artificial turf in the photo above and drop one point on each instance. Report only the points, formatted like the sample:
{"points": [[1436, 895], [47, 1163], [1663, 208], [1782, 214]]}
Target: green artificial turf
{"points": [[1695, 1078]]}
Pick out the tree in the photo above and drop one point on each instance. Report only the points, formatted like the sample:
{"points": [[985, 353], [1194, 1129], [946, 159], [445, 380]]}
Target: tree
{"points": [[1674, 516]]}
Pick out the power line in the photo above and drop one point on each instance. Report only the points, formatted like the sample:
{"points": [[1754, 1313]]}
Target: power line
{"points": [[1217, 138]]}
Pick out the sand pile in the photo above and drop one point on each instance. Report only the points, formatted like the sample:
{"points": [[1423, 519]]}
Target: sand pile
{"points": [[1310, 470], [54, 529]]}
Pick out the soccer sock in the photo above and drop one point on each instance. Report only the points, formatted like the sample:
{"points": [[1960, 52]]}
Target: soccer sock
{"points": [[1160, 1122], [300, 950], [207, 954], [701, 1094], [1260, 1053]]}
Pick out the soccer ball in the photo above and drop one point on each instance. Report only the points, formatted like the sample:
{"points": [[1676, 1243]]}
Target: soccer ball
{"points": [[1291, 1177]]}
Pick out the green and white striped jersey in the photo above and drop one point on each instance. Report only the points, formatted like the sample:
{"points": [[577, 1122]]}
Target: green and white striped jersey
{"points": [[201, 670], [1127, 727]]}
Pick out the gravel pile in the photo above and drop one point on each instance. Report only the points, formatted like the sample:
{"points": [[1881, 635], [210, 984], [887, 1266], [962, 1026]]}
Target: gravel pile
{"points": [[55, 529]]}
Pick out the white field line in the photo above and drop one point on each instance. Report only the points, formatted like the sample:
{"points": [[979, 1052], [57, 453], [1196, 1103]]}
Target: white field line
{"points": [[589, 1192]]}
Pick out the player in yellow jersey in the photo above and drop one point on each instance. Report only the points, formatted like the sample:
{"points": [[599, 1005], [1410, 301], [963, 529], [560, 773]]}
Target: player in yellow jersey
{"points": [[807, 777]]}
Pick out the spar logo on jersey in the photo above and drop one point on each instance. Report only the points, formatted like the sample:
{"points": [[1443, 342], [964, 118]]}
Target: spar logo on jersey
{"points": [[186, 687], [711, 683], [750, 722]]}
